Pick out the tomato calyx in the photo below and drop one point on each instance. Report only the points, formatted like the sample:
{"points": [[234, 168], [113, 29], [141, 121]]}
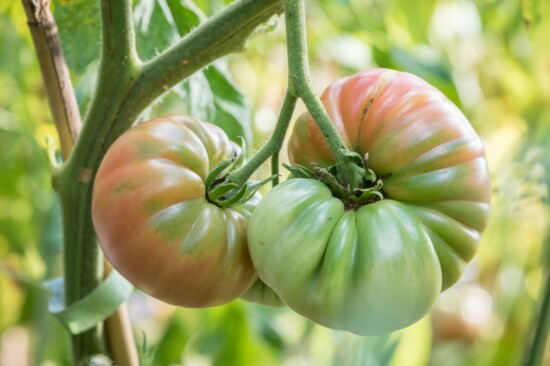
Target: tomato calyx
{"points": [[369, 190], [221, 191]]}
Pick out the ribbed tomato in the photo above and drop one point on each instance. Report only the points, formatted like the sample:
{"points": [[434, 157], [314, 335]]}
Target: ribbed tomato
{"points": [[377, 267], [154, 222]]}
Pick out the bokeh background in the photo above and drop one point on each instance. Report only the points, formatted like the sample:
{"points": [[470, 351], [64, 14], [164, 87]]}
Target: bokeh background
{"points": [[490, 57]]}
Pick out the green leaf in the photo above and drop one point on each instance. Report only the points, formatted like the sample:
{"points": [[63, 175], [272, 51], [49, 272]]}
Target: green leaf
{"points": [[79, 27], [146, 355], [222, 166], [186, 14], [211, 94], [86, 86], [198, 96], [92, 309], [155, 27], [299, 171], [160, 23], [418, 15], [431, 66], [232, 112]]}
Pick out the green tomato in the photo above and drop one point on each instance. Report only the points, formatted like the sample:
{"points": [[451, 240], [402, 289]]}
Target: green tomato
{"points": [[378, 267]]}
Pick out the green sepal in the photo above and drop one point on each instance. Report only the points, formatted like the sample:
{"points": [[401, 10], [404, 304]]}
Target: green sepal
{"points": [[218, 169], [355, 157], [252, 188], [239, 161], [327, 177], [371, 184], [366, 195], [242, 195], [95, 307], [225, 193], [299, 171], [226, 166], [232, 199], [221, 190]]}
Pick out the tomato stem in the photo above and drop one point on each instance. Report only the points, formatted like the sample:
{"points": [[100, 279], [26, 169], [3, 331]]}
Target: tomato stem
{"points": [[300, 86], [275, 168], [272, 147]]}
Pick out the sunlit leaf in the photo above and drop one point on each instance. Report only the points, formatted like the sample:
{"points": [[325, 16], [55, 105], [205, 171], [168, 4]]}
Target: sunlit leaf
{"points": [[79, 27]]}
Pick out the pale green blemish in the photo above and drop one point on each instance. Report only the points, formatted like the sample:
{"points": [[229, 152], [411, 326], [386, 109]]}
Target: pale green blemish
{"points": [[152, 206], [146, 148], [173, 223], [125, 187]]}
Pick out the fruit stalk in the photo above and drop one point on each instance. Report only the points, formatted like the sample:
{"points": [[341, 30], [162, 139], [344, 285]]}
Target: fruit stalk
{"points": [[300, 86]]}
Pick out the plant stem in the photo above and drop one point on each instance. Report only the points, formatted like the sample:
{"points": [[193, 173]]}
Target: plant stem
{"points": [[272, 147], [66, 115], [55, 73], [535, 354], [300, 86], [275, 168]]}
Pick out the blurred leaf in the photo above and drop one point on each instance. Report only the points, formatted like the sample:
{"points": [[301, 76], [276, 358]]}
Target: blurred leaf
{"points": [[211, 94], [11, 301], [372, 351], [430, 67], [146, 355], [414, 344], [532, 11], [186, 14], [79, 25], [92, 309], [86, 86], [418, 15], [263, 321], [160, 23], [172, 342], [198, 96], [232, 111], [155, 27]]}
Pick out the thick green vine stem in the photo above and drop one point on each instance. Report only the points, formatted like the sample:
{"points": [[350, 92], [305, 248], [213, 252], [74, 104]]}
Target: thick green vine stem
{"points": [[300, 86]]}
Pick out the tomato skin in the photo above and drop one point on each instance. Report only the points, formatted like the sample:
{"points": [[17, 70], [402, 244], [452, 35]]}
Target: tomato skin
{"points": [[381, 267], [344, 269], [154, 223]]}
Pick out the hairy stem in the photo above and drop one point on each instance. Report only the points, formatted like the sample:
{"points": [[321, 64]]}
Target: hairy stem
{"points": [[272, 147], [301, 87], [68, 123]]}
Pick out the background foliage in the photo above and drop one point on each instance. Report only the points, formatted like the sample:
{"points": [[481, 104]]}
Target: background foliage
{"points": [[491, 57]]}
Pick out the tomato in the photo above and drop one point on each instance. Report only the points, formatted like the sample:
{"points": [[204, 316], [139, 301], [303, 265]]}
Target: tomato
{"points": [[378, 267], [154, 222]]}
